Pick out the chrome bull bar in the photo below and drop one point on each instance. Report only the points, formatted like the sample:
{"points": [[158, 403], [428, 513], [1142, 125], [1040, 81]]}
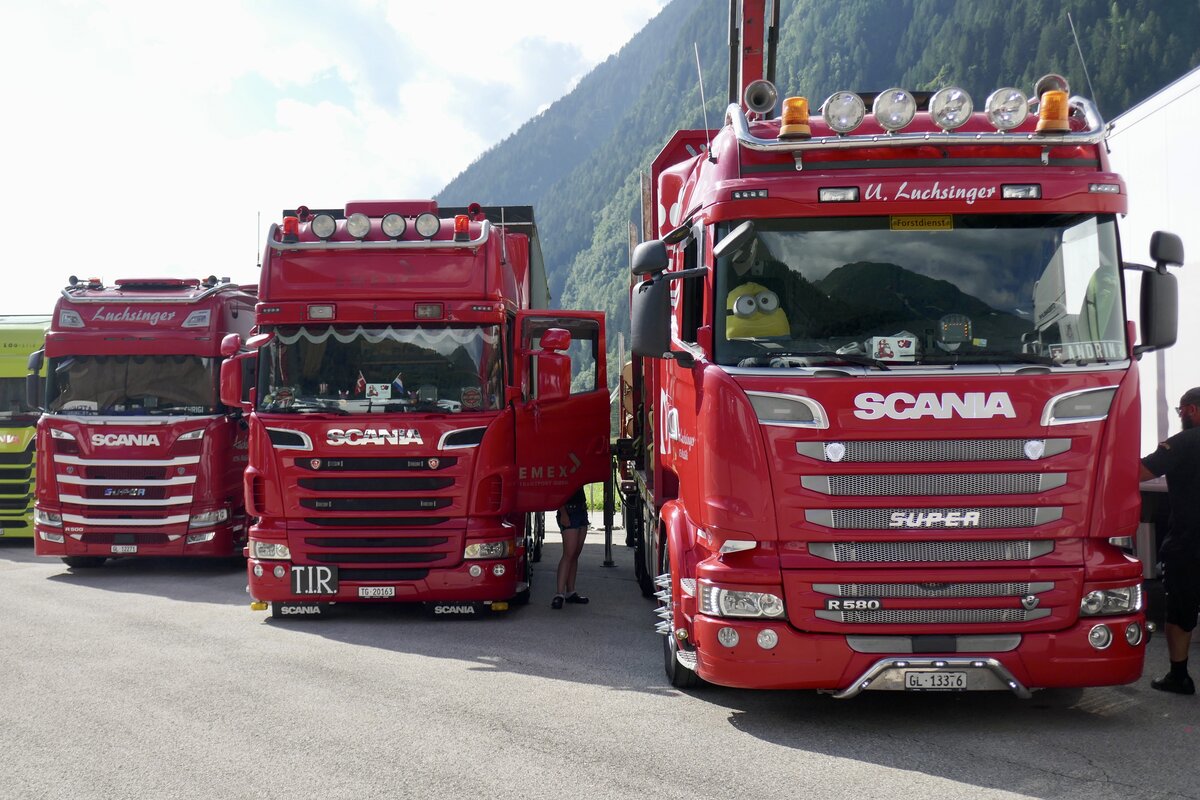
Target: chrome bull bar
{"points": [[888, 674]]}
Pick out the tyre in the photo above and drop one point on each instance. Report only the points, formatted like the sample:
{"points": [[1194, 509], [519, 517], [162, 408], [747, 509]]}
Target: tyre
{"points": [[84, 562], [645, 580], [521, 598], [539, 535], [678, 675]]}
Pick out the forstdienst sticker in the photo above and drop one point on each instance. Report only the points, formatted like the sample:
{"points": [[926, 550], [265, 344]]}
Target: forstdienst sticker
{"points": [[928, 222]]}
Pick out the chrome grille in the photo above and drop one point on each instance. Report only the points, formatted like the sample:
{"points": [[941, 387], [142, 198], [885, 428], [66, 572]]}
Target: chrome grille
{"points": [[932, 616], [932, 518], [930, 450], [933, 590], [902, 552], [943, 484]]}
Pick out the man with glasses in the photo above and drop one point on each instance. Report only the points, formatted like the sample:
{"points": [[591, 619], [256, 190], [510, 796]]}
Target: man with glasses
{"points": [[1179, 459]]}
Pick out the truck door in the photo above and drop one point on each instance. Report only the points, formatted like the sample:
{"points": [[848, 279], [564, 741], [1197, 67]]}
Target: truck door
{"points": [[562, 443]]}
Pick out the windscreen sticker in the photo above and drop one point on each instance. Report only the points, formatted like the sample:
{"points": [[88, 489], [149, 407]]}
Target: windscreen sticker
{"points": [[935, 222]]}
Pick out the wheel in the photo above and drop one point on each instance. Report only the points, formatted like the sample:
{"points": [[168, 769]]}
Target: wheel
{"points": [[84, 562], [539, 535], [680, 677], [641, 572]]}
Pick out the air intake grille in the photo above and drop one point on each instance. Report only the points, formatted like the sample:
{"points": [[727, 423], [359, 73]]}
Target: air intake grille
{"points": [[921, 485], [933, 450], [933, 616], [933, 590], [906, 552]]}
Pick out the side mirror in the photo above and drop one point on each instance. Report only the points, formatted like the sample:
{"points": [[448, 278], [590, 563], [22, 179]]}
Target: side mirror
{"points": [[649, 257], [230, 345], [33, 383], [650, 319], [231, 380], [555, 339], [1166, 249], [36, 359], [1159, 312]]}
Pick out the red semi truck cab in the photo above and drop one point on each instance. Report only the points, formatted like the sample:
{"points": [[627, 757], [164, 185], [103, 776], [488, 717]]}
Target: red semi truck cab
{"points": [[136, 453], [885, 429], [413, 403]]}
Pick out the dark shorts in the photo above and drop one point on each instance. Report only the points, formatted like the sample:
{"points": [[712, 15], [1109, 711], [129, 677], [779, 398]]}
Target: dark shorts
{"points": [[575, 512], [1181, 579]]}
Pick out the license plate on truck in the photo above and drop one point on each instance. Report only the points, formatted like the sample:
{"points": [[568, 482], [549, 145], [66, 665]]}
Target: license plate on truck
{"points": [[124, 548], [314, 579], [376, 591], [935, 681]]}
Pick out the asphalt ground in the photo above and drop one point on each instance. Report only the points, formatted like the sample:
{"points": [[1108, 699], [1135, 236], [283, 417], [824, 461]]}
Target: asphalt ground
{"points": [[152, 679]]}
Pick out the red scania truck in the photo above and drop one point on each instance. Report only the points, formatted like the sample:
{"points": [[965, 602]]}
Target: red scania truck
{"points": [[886, 403], [136, 455], [414, 403]]}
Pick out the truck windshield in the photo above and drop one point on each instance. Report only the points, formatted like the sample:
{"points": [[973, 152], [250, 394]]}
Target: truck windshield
{"points": [[891, 291], [140, 385], [361, 370], [12, 400]]}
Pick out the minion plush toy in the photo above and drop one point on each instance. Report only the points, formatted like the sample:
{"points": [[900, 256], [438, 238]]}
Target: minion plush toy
{"points": [[753, 313]]}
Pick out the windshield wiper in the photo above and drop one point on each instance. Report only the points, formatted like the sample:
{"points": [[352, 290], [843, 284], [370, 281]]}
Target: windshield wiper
{"points": [[849, 358], [1002, 358], [302, 407]]}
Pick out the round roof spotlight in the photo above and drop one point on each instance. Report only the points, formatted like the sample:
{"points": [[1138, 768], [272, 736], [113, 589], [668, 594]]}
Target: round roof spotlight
{"points": [[1007, 108], [322, 226], [1051, 83], [950, 108], [894, 109], [393, 226], [428, 225], [844, 111], [358, 225]]}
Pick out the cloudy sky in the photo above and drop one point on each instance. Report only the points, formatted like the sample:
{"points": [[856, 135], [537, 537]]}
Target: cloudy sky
{"points": [[144, 138]]}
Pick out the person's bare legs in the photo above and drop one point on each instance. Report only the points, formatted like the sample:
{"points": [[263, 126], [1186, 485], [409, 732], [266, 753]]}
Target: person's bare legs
{"points": [[568, 565]]}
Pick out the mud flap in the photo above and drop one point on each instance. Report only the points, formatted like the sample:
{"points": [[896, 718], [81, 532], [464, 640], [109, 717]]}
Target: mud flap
{"points": [[465, 610], [302, 610]]}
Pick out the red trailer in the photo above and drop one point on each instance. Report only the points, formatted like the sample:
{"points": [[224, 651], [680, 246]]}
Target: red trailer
{"points": [[415, 401], [136, 454], [885, 429]]}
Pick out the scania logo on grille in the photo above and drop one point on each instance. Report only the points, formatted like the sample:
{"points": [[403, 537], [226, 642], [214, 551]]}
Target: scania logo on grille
{"points": [[434, 463], [902, 405], [354, 436], [934, 519], [124, 439], [315, 463]]}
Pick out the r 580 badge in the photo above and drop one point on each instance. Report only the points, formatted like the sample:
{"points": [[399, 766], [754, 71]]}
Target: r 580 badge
{"points": [[856, 604]]}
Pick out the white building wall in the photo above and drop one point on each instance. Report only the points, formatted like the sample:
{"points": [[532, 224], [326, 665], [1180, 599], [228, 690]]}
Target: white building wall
{"points": [[1156, 149]]}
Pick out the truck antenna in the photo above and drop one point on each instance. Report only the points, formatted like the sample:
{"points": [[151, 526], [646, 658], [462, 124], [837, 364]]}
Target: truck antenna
{"points": [[258, 241], [703, 109], [1082, 61]]}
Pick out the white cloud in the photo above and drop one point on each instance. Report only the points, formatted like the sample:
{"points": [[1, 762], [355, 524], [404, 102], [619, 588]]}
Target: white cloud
{"points": [[143, 138]]}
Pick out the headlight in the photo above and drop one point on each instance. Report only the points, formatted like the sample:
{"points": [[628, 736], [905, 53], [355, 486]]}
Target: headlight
{"points": [[489, 550], [719, 602], [428, 225], [209, 518], [358, 225], [787, 409], [894, 109], [843, 111], [1088, 405], [55, 433], [393, 226], [1007, 108], [323, 226], [1103, 602], [46, 518], [192, 436], [269, 550], [950, 108]]}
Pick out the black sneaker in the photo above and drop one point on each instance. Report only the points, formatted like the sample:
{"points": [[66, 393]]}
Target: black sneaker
{"points": [[557, 601], [1173, 684], [575, 597]]}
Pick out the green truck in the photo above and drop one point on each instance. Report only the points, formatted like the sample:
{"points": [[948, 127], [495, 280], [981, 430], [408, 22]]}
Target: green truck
{"points": [[19, 336]]}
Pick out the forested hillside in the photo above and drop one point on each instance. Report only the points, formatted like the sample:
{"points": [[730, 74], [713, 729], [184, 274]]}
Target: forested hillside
{"points": [[578, 162]]}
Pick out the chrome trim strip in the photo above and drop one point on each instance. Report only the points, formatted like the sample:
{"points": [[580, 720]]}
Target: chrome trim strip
{"points": [[971, 643], [442, 441], [152, 299], [900, 371], [121, 523], [148, 482], [887, 674], [125, 501], [1094, 134], [484, 232], [126, 462], [107, 419]]}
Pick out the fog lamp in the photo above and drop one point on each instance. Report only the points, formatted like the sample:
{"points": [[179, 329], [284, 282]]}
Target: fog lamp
{"points": [[894, 109], [1133, 634], [323, 226], [728, 637], [258, 570], [1100, 637], [475, 570], [279, 571], [767, 639], [358, 225], [844, 111]]}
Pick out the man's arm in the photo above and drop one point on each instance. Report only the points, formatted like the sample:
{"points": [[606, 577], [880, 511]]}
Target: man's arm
{"points": [[1145, 474]]}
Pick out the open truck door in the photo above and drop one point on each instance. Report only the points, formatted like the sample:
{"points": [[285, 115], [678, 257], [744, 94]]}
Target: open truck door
{"points": [[562, 418]]}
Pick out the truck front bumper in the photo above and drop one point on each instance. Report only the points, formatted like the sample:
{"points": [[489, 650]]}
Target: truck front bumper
{"points": [[827, 662], [226, 541]]}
